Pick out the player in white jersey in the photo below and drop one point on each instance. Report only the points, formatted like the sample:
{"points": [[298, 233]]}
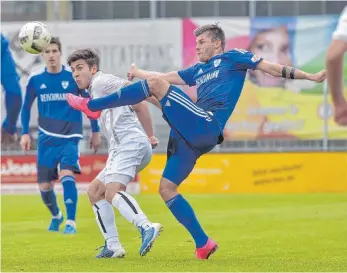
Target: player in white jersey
{"points": [[334, 63], [130, 151]]}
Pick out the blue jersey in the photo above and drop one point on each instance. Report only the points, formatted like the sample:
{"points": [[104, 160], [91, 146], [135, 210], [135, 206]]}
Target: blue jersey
{"points": [[57, 118], [220, 81]]}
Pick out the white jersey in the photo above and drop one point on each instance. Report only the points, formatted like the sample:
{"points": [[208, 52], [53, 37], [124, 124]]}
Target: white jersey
{"points": [[118, 124], [341, 30]]}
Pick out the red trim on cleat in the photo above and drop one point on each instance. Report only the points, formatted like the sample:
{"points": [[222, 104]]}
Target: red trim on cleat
{"points": [[205, 252], [81, 104]]}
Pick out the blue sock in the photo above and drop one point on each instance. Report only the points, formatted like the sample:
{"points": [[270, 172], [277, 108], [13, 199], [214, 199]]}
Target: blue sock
{"points": [[184, 213], [50, 200], [70, 196], [128, 95]]}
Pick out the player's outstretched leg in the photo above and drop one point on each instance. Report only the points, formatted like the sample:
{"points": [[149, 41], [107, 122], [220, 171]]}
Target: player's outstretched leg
{"points": [[177, 168], [128, 95], [70, 199], [105, 219], [50, 200], [130, 210]]}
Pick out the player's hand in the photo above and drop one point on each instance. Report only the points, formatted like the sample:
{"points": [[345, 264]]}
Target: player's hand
{"points": [[154, 142], [320, 76], [8, 139], [25, 142], [340, 113], [95, 142], [132, 72]]}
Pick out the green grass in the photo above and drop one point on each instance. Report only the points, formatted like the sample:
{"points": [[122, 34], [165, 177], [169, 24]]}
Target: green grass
{"points": [[306, 232]]}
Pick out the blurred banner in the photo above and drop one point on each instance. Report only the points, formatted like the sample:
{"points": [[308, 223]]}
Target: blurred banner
{"points": [[257, 173], [19, 173], [214, 173], [272, 107], [22, 169], [268, 108]]}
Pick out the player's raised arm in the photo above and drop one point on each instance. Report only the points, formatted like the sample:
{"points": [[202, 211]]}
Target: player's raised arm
{"points": [[247, 60], [334, 64], [171, 77], [278, 70], [29, 98], [13, 93]]}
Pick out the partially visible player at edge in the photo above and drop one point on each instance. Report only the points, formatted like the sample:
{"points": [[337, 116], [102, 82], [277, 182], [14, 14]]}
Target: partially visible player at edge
{"points": [[129, 152], [334, 64], [196, 128], [13, 93], [60, 130]]}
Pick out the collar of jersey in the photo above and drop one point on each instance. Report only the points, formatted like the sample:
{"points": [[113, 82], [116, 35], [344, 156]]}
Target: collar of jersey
{"points": [[94, 76], [218, 55], [62, 69]]}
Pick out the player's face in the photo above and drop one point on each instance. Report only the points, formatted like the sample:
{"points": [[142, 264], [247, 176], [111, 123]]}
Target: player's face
{"points": [[206, 48], [274, 46], [82, 73], [52, 57]]}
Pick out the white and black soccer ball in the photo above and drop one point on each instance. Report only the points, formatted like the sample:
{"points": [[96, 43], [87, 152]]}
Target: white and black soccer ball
{"points": [[34, 37]]}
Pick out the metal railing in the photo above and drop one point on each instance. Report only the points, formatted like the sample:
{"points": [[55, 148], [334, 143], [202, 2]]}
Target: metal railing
{"points": [[100, 10]]}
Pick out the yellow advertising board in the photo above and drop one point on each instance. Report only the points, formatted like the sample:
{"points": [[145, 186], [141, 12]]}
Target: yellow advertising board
{"points": [[257, 173]]}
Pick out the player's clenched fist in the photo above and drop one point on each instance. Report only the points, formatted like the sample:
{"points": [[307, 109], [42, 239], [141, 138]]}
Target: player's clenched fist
{"points": [[320, 76], [154, 142], [25, 142]]}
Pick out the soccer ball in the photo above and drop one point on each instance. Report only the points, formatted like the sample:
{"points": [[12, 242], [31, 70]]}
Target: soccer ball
{"points": [[34, 37]]}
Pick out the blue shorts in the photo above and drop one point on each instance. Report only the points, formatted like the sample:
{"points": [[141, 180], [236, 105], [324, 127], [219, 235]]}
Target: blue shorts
{"points": [[194, 132], [50, 155]]}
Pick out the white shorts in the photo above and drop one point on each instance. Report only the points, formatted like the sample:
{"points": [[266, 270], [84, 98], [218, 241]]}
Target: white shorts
{"points": [[125, 161], [341, 30]]}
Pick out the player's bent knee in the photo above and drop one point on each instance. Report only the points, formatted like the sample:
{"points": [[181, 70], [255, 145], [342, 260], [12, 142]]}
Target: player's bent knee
{"points": [[112, 189], [66, 173], [95, 191], [158, 87], [167, 189], [46, 186]]}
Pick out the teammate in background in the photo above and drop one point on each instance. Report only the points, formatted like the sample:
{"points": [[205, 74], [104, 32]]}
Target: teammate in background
{"points": [[13, 93], [334, 64], [130, 151], [195, 128], [60, 129]]}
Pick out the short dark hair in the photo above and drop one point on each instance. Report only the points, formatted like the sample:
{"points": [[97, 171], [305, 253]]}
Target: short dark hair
{"points": [[56, 40], [85, 54], [215, 31]]}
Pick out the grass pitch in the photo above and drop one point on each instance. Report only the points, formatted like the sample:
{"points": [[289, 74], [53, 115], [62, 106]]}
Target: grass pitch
{"points": [[306, 232]]}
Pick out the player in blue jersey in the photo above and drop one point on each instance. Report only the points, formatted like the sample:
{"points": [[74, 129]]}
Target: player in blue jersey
{"points": [[196, 128], [13, 93], [60, 130]]}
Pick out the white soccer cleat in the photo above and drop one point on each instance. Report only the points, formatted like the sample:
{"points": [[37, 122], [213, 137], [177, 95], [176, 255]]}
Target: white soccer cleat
{"points": [[149, 235]]}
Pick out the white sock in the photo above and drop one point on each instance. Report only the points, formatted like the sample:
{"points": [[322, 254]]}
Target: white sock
{"points": [[60, 214], [71, 223], [130, 210], [105, 218]]}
